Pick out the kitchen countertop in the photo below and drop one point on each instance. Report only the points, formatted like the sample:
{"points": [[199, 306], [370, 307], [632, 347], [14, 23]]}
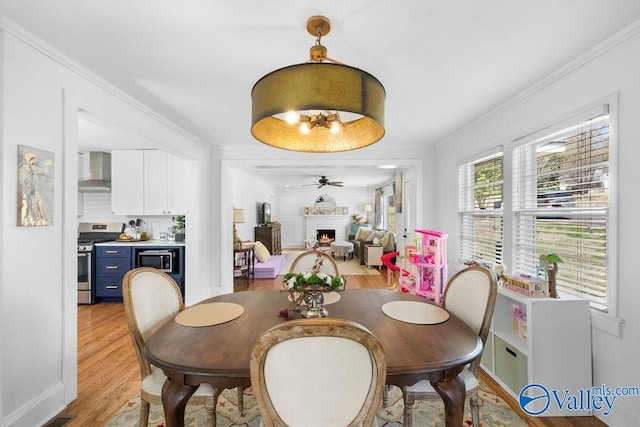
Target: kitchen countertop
{"points": [[150, 242]]}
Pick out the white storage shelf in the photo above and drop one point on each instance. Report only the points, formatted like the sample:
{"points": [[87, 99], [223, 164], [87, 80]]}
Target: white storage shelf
{"points": [[555, 353]]}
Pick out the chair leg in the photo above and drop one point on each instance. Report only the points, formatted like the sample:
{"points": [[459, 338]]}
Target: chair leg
{"points": [[210, 407], [385, 396], [475, 411], [409, 400], [144, 413], [240, 399]]}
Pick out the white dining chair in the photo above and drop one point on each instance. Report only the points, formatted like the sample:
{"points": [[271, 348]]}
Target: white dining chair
{"points": [[151, 297], [320, 372], [471, 296]]}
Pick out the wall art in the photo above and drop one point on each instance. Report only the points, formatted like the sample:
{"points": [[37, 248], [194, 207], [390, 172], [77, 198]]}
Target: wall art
{"points": [[35, 186]]}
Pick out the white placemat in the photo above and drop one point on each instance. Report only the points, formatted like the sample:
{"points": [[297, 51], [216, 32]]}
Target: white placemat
{"points": [[415, 312], [209, 314], [331, 297]]}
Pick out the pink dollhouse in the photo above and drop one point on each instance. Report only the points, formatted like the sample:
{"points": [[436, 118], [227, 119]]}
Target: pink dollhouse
{"points": [[427, 265]]}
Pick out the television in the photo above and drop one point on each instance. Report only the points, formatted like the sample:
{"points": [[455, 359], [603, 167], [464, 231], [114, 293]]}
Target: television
{"points": [[264, 215]]}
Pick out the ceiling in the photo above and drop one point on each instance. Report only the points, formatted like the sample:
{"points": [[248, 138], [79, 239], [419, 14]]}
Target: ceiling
{"points": [[444, 63]]}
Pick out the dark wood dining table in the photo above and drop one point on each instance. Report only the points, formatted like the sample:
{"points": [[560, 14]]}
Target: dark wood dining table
{"points": [[219, 355]]}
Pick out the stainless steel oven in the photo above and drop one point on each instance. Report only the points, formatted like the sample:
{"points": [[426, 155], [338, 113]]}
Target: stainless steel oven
{"points": [[85, 272], [88, 235]]}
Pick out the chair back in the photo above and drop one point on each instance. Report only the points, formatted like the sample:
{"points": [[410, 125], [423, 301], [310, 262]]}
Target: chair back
{"points": [[151, 297], [306, 261], [318, 372], [471, 296]]}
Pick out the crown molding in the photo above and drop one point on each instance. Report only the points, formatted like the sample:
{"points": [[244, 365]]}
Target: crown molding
{"points": [[591, 54], [55, 55]]}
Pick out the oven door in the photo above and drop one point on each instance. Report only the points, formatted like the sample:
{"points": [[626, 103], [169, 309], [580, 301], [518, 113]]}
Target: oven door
{"points": [[85, 293]]}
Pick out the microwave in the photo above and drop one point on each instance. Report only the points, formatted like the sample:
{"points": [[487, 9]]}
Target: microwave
{"points": [[161, 259]]}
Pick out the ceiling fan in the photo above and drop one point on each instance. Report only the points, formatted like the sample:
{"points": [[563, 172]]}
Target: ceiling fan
{"points": [[324, 181]]}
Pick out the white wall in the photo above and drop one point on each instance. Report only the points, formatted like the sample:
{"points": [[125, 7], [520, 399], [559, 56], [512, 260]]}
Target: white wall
{"points": [[291, 202], [598, 74], [248, 193], [42, 92]]}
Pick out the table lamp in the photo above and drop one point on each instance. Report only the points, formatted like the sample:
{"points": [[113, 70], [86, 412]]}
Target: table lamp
{"points": [[238, 218], [368, 208]]}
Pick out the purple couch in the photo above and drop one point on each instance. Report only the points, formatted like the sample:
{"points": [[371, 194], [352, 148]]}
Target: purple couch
{"points": [[269, 269]]}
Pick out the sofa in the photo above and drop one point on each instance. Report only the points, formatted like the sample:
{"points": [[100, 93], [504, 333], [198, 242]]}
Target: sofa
{"points": [[269, 269], [369, 236]]}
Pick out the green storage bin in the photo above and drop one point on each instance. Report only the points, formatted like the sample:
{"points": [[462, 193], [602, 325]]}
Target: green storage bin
{"points": [[510, 365]]}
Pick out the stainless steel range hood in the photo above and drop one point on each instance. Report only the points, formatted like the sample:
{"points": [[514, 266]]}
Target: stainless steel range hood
{"points": [[99, 174]]}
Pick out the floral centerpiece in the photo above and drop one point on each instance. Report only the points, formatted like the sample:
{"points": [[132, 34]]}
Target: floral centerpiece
{"points": [[308, 288]]}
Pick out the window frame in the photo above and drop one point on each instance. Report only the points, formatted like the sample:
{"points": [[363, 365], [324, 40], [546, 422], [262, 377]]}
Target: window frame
{"points": [[606, 317]]}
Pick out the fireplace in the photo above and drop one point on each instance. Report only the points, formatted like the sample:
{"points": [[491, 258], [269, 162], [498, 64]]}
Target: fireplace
{"points": [[325, 236]]}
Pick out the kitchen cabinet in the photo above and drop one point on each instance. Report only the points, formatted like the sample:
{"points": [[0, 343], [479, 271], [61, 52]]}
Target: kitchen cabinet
{"points": [[127, 177], [150, 182], [166, 183], [544, 341], [112, 262]]}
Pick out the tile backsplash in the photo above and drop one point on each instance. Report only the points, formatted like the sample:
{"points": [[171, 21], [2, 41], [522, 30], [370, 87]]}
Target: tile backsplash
{"points": [[97, 208]]}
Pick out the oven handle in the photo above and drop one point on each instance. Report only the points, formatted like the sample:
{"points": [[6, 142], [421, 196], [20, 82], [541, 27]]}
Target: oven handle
{"points": [[82, 254]]}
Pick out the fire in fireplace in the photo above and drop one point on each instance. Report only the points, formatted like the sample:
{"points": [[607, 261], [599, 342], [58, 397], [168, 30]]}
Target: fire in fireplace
{"points": [[325, 237]]}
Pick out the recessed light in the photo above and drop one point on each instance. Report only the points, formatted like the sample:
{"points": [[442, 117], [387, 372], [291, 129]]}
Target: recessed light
{"points": [[388, 166]]}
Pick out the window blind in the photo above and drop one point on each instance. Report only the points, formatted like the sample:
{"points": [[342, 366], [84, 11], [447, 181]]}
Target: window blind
{"points": [[480, 187], [561, 205]]}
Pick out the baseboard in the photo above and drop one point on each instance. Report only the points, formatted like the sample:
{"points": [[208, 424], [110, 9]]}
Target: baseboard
{"points": [[38, 411]]}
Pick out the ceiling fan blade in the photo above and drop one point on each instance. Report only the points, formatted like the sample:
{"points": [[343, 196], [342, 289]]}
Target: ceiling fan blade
{"points": [[336, 184]]}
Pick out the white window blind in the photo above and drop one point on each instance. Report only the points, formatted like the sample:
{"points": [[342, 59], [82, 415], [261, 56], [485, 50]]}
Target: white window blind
{"points": [[561, 205], [480, 210]]}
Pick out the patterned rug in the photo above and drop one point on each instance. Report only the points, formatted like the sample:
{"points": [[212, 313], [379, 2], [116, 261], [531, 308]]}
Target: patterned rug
{"points": [[493, 412]]}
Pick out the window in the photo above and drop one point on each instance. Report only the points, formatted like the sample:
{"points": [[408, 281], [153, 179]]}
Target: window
{"points": [[561, 205], [557, 201], [480, 210]]}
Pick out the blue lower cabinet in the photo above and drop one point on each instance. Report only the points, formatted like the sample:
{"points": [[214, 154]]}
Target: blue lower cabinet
{"points": [[112, 263]]}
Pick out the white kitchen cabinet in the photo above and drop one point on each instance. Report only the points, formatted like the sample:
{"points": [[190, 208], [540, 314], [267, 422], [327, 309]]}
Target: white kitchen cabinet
{"points": [[127, 179], [166, 184], [547, 341], [150, 182]]}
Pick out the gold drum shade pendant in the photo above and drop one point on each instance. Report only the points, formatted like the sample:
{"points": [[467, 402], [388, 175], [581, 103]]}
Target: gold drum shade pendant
{"points": [[320, 106]]}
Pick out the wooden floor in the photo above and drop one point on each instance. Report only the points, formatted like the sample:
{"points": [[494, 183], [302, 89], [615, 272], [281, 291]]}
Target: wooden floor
{"points": [[108, 373]]}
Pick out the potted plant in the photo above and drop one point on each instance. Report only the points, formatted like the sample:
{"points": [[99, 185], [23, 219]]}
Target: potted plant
{"points": [[180, 228], [550, 264]]}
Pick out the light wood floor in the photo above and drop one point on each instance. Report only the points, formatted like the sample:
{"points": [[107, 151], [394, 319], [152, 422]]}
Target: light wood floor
{"points": [[108, 373]]}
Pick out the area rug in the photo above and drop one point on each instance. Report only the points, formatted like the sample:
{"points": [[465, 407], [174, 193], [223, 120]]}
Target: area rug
{"points": [[493, 412], [348, 267]]}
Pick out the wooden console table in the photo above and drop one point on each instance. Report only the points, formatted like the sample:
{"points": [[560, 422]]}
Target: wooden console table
{"points": [[244, 263]]}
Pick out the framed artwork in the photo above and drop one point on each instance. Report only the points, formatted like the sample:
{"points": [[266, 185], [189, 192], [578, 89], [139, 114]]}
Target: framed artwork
{"points": [[35, 186]]}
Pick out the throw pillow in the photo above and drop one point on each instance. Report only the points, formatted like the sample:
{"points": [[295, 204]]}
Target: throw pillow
{"points": [[261, 251], [362, 234], [388, 242]]}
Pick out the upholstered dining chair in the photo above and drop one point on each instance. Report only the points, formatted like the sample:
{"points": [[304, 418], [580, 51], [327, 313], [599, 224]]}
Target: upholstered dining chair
{"points": [[306, 260], [320, 372], [471, 296], [151, 297]]}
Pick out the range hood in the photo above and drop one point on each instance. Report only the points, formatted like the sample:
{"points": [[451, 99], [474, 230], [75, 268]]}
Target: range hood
{"points": [[99, 174]]}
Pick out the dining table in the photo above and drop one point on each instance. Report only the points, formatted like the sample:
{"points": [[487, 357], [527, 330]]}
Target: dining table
{"points": [[219, 354]]}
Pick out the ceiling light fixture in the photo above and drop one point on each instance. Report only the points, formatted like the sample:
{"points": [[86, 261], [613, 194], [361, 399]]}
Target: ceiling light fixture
{"points": [[319, 106]]}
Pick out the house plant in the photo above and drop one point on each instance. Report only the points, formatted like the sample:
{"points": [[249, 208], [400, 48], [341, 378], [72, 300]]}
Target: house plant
{"points": [[309, 288], [180, 228]]}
